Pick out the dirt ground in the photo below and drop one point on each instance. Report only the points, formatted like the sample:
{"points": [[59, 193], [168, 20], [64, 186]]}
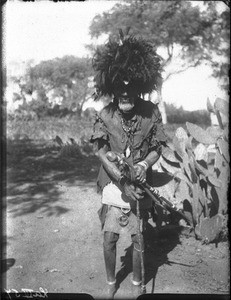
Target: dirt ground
{"points": [[54, 241]]}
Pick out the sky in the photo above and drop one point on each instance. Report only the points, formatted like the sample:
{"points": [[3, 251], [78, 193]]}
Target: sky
{"points": [[43, 30]]}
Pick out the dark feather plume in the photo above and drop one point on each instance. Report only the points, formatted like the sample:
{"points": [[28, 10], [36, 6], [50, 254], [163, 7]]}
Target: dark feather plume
{"points": [[131, 59]]}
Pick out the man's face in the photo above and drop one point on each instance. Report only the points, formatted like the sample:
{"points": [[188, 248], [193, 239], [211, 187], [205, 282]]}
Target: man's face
{"points": [[126, 103], [126, 99]]}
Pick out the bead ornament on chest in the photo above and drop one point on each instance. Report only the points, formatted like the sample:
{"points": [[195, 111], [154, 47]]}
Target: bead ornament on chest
{"points": [[126, 105], [127, 128]]}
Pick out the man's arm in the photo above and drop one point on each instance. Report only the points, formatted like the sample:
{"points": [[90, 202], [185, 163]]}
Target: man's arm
{"points": [[142, 167], [109, 166], [151, 158]]}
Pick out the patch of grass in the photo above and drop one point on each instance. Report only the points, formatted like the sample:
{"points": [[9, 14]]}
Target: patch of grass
{"points": [[47, 129]]}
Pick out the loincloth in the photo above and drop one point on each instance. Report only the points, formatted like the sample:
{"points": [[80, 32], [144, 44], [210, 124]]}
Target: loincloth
{"points": [[114, 219], [113, 195]]}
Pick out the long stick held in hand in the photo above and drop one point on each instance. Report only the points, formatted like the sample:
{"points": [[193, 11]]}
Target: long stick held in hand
{"points": [[143, 287]]}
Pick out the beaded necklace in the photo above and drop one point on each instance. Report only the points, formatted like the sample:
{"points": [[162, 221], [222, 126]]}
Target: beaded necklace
{"points": [[128, 127]]}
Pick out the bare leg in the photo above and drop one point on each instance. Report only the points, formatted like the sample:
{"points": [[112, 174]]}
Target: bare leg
{"points": [[109, 246], [136, 265]]}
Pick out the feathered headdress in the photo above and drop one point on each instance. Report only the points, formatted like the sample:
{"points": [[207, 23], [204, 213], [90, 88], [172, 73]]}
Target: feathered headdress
{"points": [[132, 60]]}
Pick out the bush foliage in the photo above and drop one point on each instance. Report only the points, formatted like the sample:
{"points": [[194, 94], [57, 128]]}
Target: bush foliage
{"points": [[177, 115], [56, 87]]}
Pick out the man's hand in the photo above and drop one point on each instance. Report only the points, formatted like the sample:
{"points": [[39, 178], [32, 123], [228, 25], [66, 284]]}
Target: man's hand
{"points": [[140, 173], [132, 192]]}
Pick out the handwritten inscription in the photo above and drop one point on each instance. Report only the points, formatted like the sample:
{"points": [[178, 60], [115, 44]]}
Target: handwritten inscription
{"points": [[27, 293]]}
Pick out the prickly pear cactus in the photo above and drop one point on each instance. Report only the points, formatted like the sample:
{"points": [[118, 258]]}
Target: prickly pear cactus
{"points": [[208, 229], [199, 162]]}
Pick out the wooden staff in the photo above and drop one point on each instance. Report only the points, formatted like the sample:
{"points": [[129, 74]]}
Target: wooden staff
{"points": [[143, 287]]}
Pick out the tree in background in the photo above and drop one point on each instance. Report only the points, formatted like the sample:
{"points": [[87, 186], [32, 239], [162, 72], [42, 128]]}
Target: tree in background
{"points": [[186, 34], [64, 80], [221, 66]]}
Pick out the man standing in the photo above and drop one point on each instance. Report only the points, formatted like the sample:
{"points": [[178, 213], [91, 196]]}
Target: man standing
{"points": [[130, 127]]}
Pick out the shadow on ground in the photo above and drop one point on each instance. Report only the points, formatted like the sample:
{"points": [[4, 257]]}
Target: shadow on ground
{"points": [[35, 169], [157, 247]]}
